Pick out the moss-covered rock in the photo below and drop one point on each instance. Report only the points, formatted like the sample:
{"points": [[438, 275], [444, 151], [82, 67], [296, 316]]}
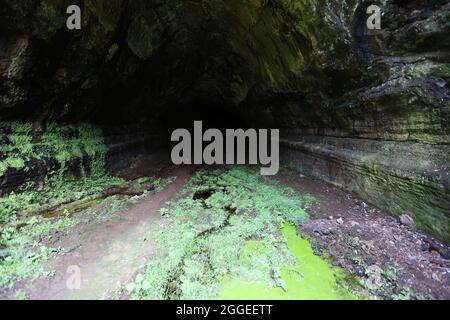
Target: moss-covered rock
{"points": [[317, 57]]}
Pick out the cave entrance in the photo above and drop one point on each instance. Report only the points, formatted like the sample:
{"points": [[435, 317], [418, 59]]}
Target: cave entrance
{"points": [[212, 115]]}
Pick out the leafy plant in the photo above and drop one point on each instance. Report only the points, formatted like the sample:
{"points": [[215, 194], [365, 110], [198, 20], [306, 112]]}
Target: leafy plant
{"points": [[390, 274], [404, 294]]}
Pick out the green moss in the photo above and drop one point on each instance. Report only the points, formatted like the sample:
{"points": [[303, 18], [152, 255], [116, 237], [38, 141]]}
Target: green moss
{"points": [[17, 65], [112, 52], [63, 143], [397, 188], [68, 145], [107, 13], [426, 202], [311, 277], [50, 18]]}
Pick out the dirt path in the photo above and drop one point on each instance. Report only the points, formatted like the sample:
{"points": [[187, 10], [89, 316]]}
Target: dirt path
{"points": [[107, 253]]}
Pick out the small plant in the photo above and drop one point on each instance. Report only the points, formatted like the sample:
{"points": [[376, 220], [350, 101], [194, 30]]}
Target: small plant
{"points": [[390, 274], [350, 240], [120, 288], [420, 296], [24, 253], [404, 294], [68, 145], [359, 262], [21, 295]]}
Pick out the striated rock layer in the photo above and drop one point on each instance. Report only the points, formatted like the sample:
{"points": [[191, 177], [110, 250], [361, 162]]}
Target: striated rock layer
{"points": [[367, 110], [404, 178]]}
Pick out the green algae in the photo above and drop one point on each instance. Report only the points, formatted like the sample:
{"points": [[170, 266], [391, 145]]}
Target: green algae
{"points": [[310, 278]]}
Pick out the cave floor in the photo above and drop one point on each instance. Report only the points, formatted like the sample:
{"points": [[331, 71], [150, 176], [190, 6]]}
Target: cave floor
{"points": [[108, 250], [376, 255]]}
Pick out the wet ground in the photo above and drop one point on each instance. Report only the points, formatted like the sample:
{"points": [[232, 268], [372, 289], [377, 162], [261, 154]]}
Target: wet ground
{"points": [[393, 259], [384, 257]]}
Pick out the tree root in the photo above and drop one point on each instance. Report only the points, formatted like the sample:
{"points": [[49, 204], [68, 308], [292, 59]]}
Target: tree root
{"points": [[77, 206]]}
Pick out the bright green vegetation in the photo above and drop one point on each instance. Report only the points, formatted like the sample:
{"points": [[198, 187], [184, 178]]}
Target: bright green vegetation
{"points": [[109, 208], [310, 278], [68, 145], [229, 225], [61, 142], [57, 149], [25, 253], [54, 193], [405, 294], [20, 252]]}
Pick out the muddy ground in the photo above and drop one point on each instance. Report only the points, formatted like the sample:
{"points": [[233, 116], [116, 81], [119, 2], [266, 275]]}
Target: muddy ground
{"points": [[388, 256], [392, 260]]}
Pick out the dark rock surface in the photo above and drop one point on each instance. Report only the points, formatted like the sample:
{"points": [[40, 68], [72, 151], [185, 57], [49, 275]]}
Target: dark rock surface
{"points": [[307, 65]]}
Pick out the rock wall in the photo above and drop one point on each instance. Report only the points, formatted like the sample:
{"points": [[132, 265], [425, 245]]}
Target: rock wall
{"points": [[403, 178]]}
